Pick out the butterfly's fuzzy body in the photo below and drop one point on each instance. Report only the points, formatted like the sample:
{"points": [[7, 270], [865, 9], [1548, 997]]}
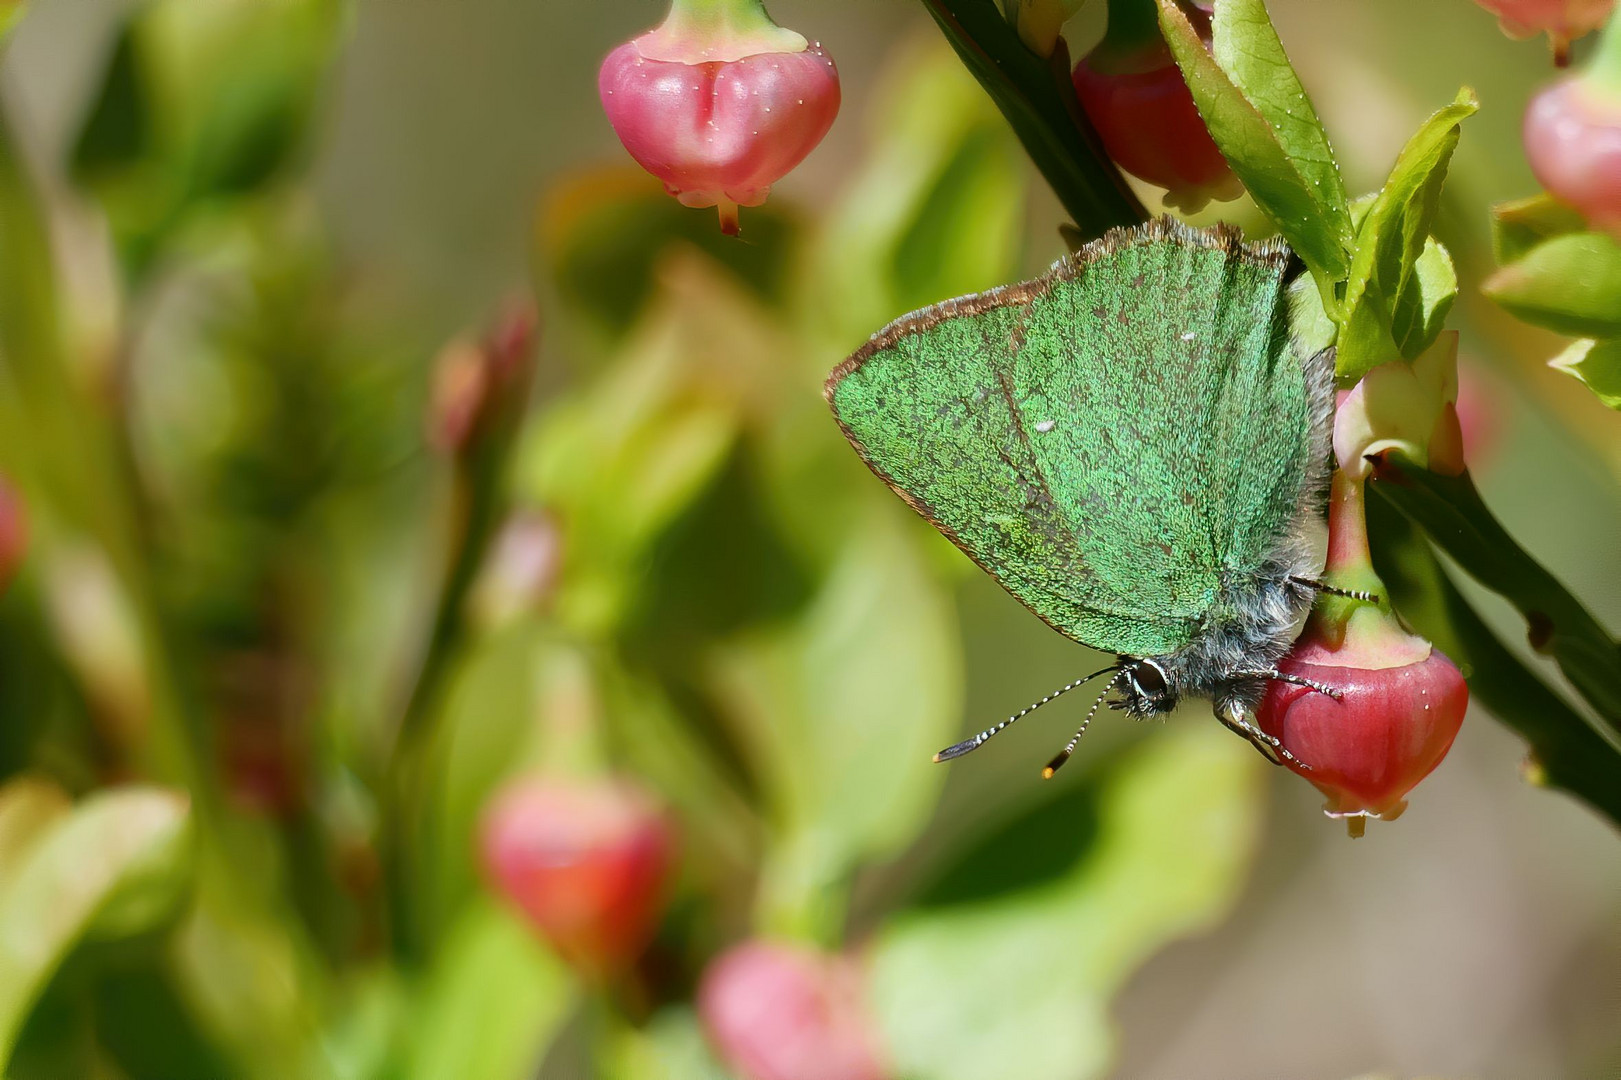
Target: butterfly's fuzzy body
{"points": [[1132, 445]]}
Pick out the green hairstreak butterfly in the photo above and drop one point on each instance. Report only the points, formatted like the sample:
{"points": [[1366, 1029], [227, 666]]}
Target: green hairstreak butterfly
{"points": [[1132, 445]]}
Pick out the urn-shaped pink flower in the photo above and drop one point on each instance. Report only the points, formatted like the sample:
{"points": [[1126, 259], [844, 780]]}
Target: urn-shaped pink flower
{"points": [[719, 102], [1396, 702]]}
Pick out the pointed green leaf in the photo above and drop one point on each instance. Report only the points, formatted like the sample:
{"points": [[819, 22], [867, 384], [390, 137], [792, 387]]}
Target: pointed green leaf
{"points": [[1597, 364], [1252, 147], [1570, 284], [68, 876], [1246, 45], [1521, 225], [1386, 314]]}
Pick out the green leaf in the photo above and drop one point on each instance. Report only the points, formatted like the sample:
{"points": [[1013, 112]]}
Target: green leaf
{"points": [[1521, 225], [1449, 509], [1019, 984], [117, 131], [1246, 45], [1392, 309], [840, 716], [1569, 283], [493, 1003], [1253, 149], [68, 876], [1566, 752], [1597, 364]]}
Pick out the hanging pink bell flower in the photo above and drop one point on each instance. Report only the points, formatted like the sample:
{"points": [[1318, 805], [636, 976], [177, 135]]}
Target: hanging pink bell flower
{"points": [[1563, 20], [1573, 137], [1135, 97], [719, 102], [1397, 701]]}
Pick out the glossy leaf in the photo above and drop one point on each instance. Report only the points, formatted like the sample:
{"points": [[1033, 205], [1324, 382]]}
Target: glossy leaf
{"points": [[1597, 364], [1569, 283], [1018, 984], [1254, 150], [1246, 45], [67, 877], [1390, 305]]}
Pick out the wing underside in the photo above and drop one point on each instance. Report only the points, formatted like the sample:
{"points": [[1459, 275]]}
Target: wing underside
{"points": [[1111, 441]]}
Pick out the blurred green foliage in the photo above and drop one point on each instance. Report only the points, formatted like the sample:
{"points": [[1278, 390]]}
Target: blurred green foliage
{"points": [[250, 713]]}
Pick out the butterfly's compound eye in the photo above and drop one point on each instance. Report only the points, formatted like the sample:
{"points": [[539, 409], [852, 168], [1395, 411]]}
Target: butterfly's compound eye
{"points": [[1148, 679]]}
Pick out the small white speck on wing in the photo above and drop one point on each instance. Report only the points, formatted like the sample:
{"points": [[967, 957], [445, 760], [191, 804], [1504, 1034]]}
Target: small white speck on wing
{"points": [[1189, 336], [1046, 426]]}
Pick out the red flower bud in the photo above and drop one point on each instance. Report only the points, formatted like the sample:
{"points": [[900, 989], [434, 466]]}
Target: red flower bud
{"points": [[1563, 20], [1145, 115], [719, 102], [1573, 141], [586, 862], [784, 1012], [1396, 702], [13, 533]]}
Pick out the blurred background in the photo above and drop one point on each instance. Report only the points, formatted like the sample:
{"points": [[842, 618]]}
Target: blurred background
{"points": [[387, 438]]}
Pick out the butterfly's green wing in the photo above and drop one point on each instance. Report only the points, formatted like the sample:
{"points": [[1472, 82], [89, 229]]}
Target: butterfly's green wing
{"points": [[1113, 441]]}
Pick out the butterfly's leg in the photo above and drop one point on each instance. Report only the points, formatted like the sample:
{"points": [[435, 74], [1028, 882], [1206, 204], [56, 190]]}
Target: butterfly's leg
{"points": [[1297, 680], [1323, 586], [1232, 717]]}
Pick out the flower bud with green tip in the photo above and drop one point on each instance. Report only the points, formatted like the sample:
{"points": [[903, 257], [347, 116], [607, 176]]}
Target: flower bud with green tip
{"points": [[1135, 96], [586, 861], [719, 102], [1572, 136], [1563, 20], [775, 1011]]}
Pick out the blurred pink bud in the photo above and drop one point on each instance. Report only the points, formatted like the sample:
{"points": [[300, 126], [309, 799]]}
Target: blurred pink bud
{"points": [[719, 103], [775, 1011], [13, 533], [1145, 115], [1573, 141], [1563, 20], [521, 569], [479, 387], [586, 861]]}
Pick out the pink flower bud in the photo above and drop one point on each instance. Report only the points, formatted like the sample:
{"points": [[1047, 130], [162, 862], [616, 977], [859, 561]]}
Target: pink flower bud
{"points": [[13, 533], [1145, 115], [1396, 702], [1563, 20], [1573, 141], [586, 862], [785, 1012], [719, 105], [480, 386]]}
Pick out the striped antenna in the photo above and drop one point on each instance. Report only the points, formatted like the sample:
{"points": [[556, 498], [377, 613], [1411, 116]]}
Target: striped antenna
{"points": [[1063, 755], [979, 740]]}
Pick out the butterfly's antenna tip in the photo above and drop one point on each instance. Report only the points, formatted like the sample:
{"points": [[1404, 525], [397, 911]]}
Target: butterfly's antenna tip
{"points": [[1047, 773], [959, 749], [979, 740]]}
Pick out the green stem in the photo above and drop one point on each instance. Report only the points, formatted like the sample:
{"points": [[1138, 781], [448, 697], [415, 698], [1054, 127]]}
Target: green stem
{"points": [[1132, 38], [701, 31], [1037, 97]]}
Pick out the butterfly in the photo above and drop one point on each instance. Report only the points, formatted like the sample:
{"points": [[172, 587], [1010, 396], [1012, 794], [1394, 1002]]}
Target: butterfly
{"points": [[1133, 446]]}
